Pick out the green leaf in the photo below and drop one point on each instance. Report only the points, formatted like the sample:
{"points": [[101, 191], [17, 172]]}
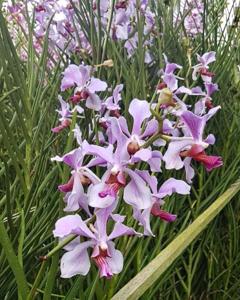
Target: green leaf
{"points": [[150, 274]]}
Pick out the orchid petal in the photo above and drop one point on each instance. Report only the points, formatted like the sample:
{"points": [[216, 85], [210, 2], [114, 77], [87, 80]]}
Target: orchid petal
{"points": [[76, 261], [195, 124], [72, 224], [173, 185], [136, 193], [139, 110]]}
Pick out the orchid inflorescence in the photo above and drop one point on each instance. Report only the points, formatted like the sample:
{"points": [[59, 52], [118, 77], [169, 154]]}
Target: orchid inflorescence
{"points": [[119, 162], [67, 35], [119, 20]]}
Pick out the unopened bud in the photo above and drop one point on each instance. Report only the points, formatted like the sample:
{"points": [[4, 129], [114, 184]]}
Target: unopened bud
{"points": [[107, 63], [85, 180], [133, 147], [166, 97]]}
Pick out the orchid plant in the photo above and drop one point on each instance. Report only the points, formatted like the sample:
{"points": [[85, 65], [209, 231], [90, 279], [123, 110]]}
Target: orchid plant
{"points": [[119, 165]]}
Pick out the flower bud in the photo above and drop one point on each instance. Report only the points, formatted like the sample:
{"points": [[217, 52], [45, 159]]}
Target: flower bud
{"points": [[166, 97], [133, 147], [85, 180], [108, 63]]}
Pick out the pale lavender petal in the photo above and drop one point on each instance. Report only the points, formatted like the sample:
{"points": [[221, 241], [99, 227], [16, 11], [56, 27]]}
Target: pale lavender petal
{"points": [[172, 157], [117, 218], [78, 108], [170, 67], [117, 132], [76, 261], [159, 143], [144, 219], [105, 153], [200, 108], [72, 245], [171, 81], [120, 229], [207, 58], [173, 185], [150, 180], [151, 128], [136, 193], [123, 124], [102, 217], [93, 102], [71, 224], [188, 169], [117, 93], [210, 139], [195, 124], [96, 85], [115, 261], [211, 88], [155, 161], [72, 159], [197, 91], [78, 134], [142, 155], [139, 110], [183, 90], [212, 112], [77, 198], [71, 76], [122, 32]]}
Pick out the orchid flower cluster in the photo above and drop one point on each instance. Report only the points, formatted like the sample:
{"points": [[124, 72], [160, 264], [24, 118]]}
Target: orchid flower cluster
{"points": [[66, 34], [121, 162], [193, 22]]}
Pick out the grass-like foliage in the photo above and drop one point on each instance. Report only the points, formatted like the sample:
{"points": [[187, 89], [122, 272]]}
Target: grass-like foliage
{"points": [[30, 203]]}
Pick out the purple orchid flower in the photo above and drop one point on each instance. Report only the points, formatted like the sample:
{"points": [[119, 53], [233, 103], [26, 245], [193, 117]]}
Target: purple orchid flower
{"points": [[168, 90], [169, 187], [206, 100], [168, 74], [192, 145], [202, 67], [193, 22], [76, 260], [65, 116], [111, 103], [140, 111], [86, 85], [75, 197], [136, 192]]}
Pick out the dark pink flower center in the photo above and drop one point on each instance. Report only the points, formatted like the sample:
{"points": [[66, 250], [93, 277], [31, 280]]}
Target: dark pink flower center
{"points": [[67, 187], [83, 95], [121, 4], [40, 8], [112, 187], [164, 215], [115, 113], [197, 153], [205, 72], [208, 104], [102, 264], [161, 86]]}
